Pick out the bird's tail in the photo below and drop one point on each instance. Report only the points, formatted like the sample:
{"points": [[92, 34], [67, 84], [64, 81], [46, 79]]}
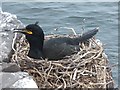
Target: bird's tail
{"points": [[87, 35]]}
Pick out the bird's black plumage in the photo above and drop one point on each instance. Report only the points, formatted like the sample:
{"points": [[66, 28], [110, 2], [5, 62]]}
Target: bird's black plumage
{"points": [[55, 48]]}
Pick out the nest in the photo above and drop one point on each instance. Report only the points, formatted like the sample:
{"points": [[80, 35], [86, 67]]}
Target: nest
{"points": [[86, 69]]}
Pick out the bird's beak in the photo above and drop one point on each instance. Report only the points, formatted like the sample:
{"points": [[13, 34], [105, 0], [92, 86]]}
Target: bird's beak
{"points": [[23, 30]]}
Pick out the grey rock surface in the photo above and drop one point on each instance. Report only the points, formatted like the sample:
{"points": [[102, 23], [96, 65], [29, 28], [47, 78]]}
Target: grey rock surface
{"points": [[10, 75], [16, 80], [7, 23], [10, 67]]}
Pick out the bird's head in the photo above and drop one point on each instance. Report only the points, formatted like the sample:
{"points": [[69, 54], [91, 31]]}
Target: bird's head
{"points": [[31, 30], [34, 34]]}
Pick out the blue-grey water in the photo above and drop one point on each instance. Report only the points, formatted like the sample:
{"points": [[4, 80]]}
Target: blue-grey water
{"points": [[72, 14]]}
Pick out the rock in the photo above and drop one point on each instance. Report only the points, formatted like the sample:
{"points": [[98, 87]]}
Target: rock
{"points": [[7, 23], [10, 67], [16, 80], [9, 75]]}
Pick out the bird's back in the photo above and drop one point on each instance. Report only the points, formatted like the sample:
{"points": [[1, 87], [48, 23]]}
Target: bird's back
{"points": [[57, 48]]}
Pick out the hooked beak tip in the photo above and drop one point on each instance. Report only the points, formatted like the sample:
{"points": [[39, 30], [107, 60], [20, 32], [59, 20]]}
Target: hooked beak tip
{"points": [[15, 31], [18, 30]]}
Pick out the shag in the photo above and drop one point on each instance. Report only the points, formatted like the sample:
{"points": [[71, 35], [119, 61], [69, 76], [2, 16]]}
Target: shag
{"points": [[54, 48]]}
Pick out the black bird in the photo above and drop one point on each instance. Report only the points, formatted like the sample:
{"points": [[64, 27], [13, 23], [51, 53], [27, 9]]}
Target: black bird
{"points": [[54, 48]]}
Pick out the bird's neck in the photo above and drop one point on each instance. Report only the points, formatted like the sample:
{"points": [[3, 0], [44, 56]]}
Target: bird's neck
{"points": [[36, 48], [35, 53]]}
